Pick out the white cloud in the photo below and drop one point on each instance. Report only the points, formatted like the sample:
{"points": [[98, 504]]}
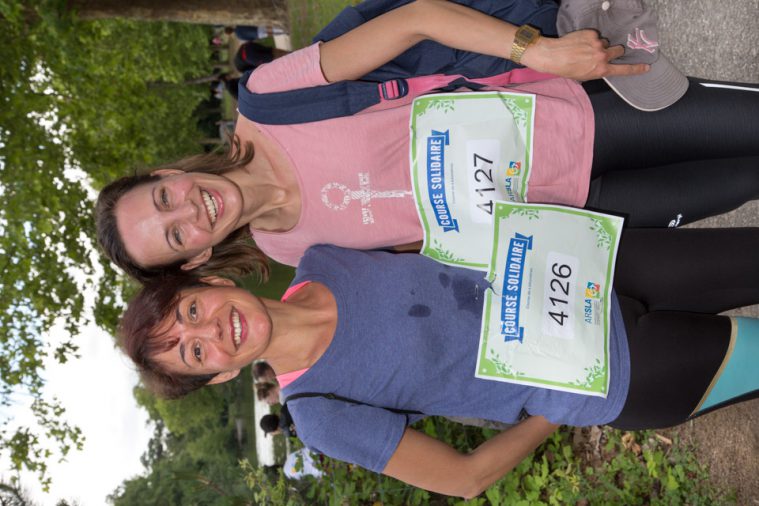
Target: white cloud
{"points": [[96, 391]]}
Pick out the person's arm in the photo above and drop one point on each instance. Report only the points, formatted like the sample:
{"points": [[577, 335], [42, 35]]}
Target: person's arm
{"points": [[430, 464], [579, 55]]}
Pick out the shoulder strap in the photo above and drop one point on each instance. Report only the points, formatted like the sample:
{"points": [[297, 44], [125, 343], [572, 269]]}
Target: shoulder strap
{"points": [[305, 105], [335, 397], [347, 98], [337, 100]]}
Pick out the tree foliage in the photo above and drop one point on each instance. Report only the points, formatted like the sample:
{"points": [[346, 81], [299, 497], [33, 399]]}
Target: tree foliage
{"points": [[12, 495], [192, 456], [82, 103], [196, 412], [218, 12]]}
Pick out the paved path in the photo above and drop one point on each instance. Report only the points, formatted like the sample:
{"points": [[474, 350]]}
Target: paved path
{"points": [[717, 39]]}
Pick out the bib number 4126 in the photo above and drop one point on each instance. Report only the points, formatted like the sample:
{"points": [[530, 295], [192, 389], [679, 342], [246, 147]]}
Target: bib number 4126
{"points": [[559, 295]]}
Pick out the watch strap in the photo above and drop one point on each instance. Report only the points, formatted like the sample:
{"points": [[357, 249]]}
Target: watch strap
{"points": [[524, 37]]}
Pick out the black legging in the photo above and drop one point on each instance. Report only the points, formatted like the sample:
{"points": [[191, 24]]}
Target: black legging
{"points": [[671, 284], [694, 159]]}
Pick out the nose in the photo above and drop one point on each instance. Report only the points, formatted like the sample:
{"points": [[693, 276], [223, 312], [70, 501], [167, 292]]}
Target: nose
{"points": [[210, 330], [186, 211]]}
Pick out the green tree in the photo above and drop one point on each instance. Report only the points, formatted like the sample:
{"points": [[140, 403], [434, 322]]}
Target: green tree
{"points": [[192, 456], [80, 107], [177, 481], [12, 495], [219, 12], [196, 412]]}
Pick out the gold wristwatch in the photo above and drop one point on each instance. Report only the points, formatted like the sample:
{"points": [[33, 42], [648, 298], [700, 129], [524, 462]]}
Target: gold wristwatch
{"points": [[525, 36]]}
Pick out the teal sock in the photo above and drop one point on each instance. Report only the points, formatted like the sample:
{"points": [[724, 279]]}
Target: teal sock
{"points": [[739, 373]]}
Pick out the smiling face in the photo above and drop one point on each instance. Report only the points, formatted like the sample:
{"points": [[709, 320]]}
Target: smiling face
{"points": [[179, 217], [218, 329]]}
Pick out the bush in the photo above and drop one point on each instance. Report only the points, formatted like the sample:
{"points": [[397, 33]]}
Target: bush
{"points": [[607, 467]]}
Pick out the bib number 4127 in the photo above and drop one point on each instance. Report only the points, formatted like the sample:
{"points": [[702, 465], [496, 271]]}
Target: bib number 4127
{"points": [[483, 159], [559, 295]]}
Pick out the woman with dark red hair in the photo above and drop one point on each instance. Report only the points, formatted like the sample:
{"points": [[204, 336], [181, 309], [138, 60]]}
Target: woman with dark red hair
{"points": [[367, 342]]}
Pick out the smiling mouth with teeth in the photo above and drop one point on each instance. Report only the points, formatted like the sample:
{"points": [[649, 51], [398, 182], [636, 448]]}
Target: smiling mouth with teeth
{"points": [[236, 328], [210, 204]]}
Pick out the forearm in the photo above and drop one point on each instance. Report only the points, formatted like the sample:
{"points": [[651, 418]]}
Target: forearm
{"points": [[577, 55], [381, 39], [461, 27], [496, 457], [433, 465]]}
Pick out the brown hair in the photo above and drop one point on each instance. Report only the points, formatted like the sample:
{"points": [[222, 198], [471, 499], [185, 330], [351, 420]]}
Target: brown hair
{"points": [[141, 341], [262, 370], [235, 256], [264, 389]]}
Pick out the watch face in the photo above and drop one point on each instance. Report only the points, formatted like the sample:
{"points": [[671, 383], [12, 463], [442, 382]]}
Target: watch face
{"points": [[528, 33]]}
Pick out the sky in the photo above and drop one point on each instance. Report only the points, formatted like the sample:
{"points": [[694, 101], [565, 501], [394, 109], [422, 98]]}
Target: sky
{"points": [[96, 391]]}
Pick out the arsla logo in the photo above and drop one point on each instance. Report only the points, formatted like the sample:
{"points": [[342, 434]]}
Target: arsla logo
{"points": [[593, 290], [514, 168], [591, 307]]}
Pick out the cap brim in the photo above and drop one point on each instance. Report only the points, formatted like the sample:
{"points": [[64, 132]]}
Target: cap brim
{"points": [[658, 88]]}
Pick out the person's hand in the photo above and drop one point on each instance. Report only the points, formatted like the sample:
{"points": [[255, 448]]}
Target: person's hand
{"points": [[580, 55]]}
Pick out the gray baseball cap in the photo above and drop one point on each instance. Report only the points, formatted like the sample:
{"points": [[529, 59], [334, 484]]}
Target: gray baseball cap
{"points": [[633, 25]]}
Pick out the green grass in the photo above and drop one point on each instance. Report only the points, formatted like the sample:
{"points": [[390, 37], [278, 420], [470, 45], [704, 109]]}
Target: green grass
{"points": [[242, 407], [307, 17], [228, 106], [558, 473], [281, 443]]}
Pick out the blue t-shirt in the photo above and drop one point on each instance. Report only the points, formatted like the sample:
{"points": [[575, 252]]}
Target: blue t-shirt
{"points": [[407, 337]]}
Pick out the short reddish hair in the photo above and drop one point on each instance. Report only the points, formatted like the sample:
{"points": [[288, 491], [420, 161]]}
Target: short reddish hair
{"points": [[140, 339]]}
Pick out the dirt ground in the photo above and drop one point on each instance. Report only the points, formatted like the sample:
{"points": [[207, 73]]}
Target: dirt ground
{"points": [[692, 35], [727, 441]]}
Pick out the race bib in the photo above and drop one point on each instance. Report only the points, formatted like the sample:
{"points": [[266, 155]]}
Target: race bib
{"points": [[468, 150], [546, 320]]}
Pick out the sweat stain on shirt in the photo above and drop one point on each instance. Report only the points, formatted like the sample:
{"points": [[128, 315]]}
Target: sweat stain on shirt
{"points": [[419, 311], [467, 295]]}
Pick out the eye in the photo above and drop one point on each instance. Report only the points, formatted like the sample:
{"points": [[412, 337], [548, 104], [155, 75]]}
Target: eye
{"points": [[192, 311], [164, 198], [196, 351], [177, 236]]}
